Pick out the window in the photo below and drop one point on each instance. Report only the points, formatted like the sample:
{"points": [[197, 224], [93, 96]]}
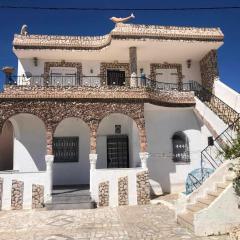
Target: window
{"points": [[180, 148], [65, 149]]}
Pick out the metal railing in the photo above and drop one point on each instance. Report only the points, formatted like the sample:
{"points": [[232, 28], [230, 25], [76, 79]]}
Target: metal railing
{"points": [[211, 156]]}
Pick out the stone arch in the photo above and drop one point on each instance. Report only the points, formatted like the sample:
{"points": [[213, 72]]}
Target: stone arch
{"points": [[75, 131]]}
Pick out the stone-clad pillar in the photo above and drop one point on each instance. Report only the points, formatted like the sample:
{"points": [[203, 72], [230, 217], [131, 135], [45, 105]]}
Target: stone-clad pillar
{"points": [[133, 59], [49, 140]]}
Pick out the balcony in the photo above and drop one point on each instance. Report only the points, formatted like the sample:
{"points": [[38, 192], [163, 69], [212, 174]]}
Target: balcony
{"points": [[99, 87]]}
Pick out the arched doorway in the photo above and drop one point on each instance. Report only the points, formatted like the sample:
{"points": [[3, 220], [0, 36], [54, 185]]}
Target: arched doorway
{"points": [[71, 148], [118, 142], [6, 147]]}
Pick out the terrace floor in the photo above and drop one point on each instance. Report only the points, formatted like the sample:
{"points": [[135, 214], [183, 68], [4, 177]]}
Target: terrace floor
{"points": [[135, 223]]}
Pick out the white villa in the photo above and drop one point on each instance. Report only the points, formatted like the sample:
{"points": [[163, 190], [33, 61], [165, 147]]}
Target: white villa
{"points": [[111, 112]]}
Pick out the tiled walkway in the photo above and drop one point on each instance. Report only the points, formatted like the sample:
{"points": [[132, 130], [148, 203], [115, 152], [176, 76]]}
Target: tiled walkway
{"points": [[135, 223]]}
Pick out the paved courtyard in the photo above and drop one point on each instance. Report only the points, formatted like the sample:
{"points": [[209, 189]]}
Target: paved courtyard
{"points": [[137, 222]]}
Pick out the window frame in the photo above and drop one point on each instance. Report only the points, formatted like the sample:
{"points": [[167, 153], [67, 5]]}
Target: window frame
{"points": [[185, 141], [76, 159]]}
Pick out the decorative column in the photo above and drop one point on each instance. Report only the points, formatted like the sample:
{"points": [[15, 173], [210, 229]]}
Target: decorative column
{"points": [[144, 157], [49, 158], [133, 59], [49, 171], [93, 162]]}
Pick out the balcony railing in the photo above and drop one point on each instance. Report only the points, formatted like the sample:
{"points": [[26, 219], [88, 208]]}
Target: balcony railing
{"points": [[95, 82]]}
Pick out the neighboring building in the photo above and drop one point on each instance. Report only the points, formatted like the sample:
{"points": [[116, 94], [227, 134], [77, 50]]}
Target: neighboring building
{"points": [[126, 101]]}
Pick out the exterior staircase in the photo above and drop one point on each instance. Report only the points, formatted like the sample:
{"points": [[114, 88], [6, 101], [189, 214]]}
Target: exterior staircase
{"points": [[186, 219], [212, 207], [70, 197]]}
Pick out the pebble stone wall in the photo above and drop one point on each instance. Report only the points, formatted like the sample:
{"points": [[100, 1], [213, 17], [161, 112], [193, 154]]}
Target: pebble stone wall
{"points": [[37, 196], [17, 194], [103, 194], [209, 69], [1, 191], [143, 188], [123, 191]]}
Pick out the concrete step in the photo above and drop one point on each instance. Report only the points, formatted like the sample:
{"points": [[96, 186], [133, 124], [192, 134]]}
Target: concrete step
{"points": [[71, 199], [215, 193], [69, 206], [196, 207], [186, 220], [207, 200], [222, 185]]}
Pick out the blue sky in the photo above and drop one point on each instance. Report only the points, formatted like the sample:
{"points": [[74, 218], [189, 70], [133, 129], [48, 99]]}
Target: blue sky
{"points": [[97, 23]]}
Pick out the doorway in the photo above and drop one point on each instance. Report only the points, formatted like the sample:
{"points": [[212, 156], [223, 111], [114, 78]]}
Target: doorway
{"points": [[116, 77], [117, 151]]}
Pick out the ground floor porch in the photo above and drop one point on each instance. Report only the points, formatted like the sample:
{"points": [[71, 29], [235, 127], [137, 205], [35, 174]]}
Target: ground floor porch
{"points": [[128, 223]]}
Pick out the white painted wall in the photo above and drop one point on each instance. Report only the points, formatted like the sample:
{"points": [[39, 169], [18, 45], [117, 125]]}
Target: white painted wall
{"points": [[26, 65], [29, 143], [112, 175], [107, 127], [228, 95], [161, 124], [75, 172]]}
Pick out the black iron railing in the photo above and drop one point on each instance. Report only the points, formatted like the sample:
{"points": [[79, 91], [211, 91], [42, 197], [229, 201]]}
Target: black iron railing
{"points": [[211, 156]]}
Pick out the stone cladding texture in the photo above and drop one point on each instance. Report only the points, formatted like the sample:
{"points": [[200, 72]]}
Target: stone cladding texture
{"points": [[123, 191], [143, 188], [104, 66], [103, 194], [48, 65], [133, 59], [37, 196], [209, 69], [17, 194], [155, 66], [1, 192]]}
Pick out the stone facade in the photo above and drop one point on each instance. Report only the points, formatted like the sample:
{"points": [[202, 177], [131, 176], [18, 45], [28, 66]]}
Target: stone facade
{"points": [[1, 192], [123, 191], [121, 31], [143, 188], [17, 194], [209, 69], [37, 196], [48, 65], [103, 194], [155, 66], [104, 66]]}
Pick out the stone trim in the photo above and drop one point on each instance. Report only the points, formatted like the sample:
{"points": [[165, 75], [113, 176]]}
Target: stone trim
{"points": [[1, 192], [123, 191], [103, 194], [37, 196], [48, 65], [155, 66], [17, 194], [52, 112], [121, 31], [209, 69], [104, 66], [143, 188]]}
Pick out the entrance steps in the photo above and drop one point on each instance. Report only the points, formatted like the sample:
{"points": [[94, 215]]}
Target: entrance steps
{"points": [[70, 197], [205, 206]]}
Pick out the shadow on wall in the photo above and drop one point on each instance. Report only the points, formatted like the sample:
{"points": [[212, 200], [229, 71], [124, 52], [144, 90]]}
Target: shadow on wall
{"points": [[29, 143], [6, 147]]}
